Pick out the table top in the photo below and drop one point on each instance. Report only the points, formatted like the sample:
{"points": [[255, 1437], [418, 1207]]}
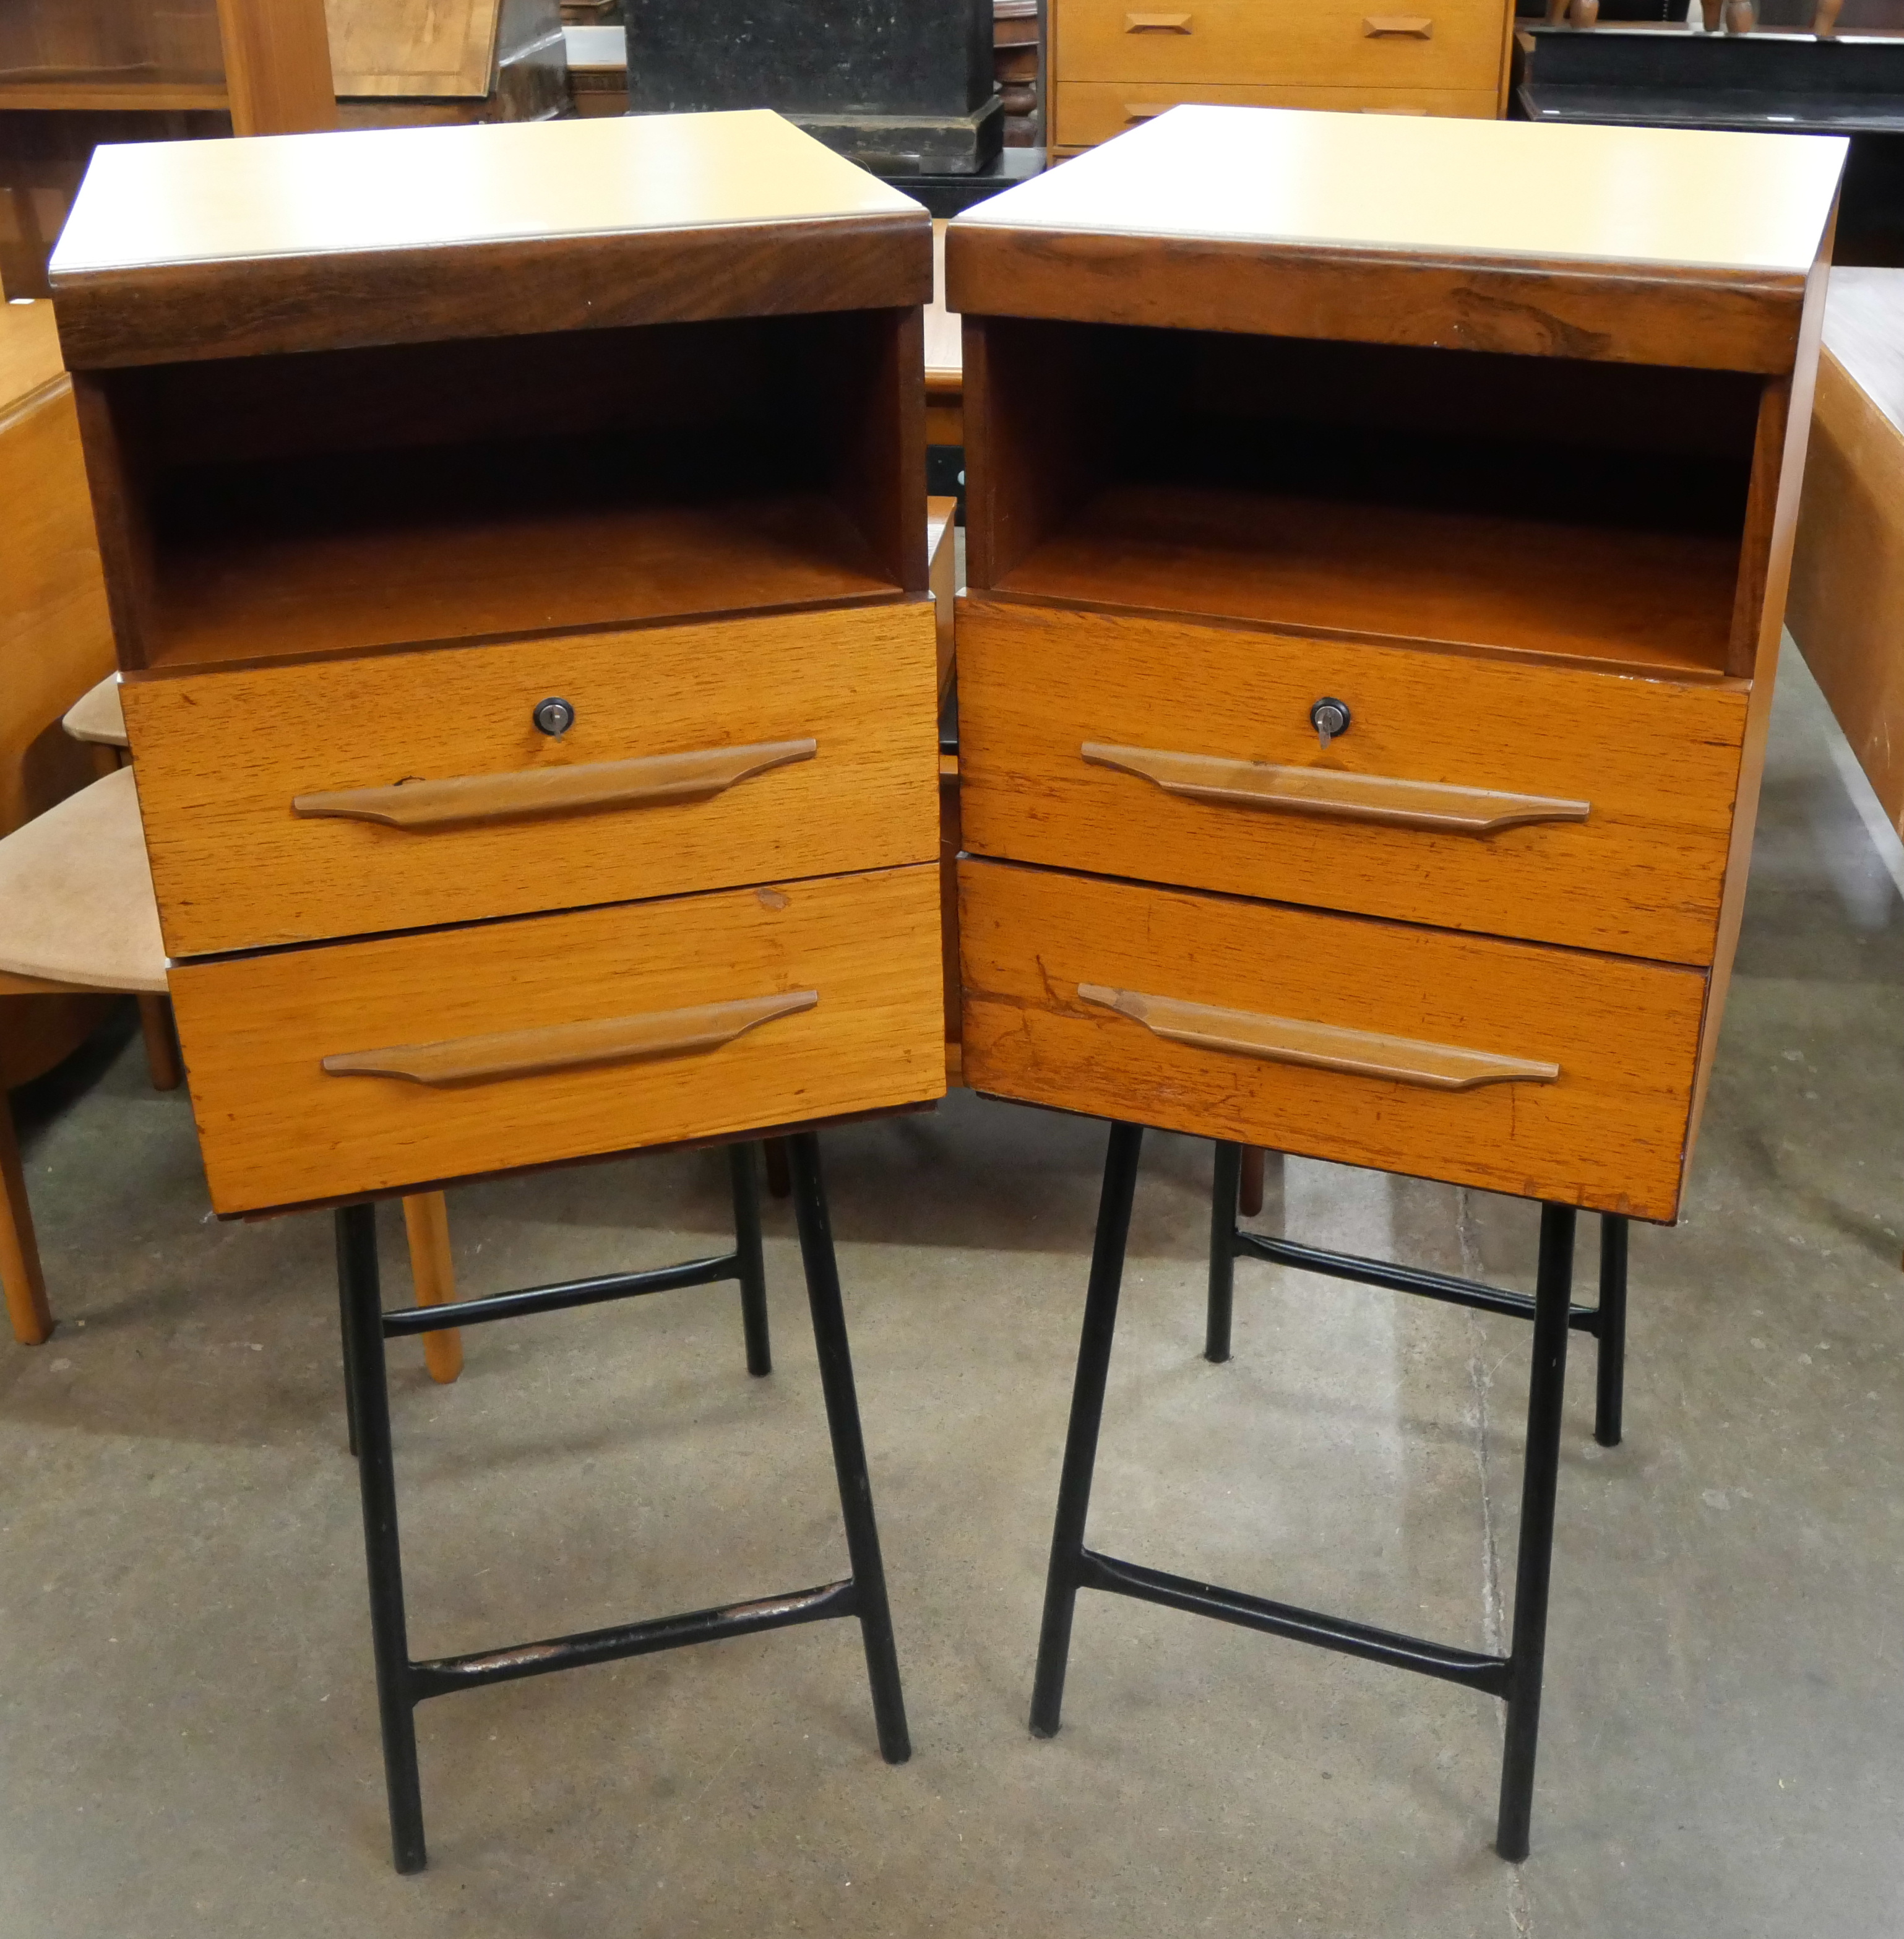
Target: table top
{"points": [[149, 204], [1445, 188], [1864, 330]]}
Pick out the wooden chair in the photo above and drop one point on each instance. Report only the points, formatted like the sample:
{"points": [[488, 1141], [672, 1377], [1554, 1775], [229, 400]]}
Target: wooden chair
{"points": [[77, 912]]}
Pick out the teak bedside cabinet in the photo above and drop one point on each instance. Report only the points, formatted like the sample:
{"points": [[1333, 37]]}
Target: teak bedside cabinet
{"points": [[1375, 568], [515, 539]]}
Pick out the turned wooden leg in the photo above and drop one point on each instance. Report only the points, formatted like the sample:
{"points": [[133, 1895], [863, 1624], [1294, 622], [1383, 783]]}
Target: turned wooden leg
{"points": [[20, 1251], [426, 1223], [161, 1042]]}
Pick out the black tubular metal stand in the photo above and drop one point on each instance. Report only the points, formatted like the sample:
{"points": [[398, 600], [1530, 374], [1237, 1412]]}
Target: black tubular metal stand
{"points": [[1515, 1677], [1606, 1321], [403, 1684]]}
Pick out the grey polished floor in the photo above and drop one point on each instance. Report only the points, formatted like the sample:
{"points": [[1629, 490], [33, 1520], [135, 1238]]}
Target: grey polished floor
{"points": [[187, 1733]]}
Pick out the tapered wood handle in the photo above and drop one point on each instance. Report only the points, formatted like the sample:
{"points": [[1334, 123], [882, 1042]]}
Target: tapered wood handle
{"points": [[1398, 26], [529, 1053], [646, 782], [1156, 23], [1401, 1059], [1145, 111], [1433, 805]]}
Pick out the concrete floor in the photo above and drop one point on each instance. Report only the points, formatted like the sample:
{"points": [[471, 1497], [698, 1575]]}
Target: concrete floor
{"points": [[186, 1705]]}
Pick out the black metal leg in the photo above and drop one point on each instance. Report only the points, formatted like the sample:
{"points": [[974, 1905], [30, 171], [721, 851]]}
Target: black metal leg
{"points": [[849, 1445], [344, 1321], [752, 1266], [369, 1400], [1553, 1298], [1611, 1389], [1227, 1173], [1061, 1581]]}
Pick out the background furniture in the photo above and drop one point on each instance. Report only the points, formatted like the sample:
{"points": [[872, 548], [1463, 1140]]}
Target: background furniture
{"points": [[75, 73], [422, 63], [557, 563], [1112, 68], [1324, 486], [1793, 82]]}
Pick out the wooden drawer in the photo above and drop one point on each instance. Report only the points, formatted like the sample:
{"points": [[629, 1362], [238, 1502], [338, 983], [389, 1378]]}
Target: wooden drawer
{"points": [[1090, 112], [834, 711], [832, 1002], [1441, 44], [1578, 1068], [1654, 762]]}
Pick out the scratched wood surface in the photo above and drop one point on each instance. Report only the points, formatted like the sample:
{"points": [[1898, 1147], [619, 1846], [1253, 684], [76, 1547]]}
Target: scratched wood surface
{"points": [[277, 1129], [221, 756], [1609, 1135]]}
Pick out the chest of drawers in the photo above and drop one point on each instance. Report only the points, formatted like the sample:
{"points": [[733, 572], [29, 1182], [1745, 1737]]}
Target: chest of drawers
{"points": [[1376, 570], [1115, 66], [515, 541]]}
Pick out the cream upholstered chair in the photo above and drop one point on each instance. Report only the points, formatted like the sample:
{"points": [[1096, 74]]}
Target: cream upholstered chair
{"points": [[77, 911]]}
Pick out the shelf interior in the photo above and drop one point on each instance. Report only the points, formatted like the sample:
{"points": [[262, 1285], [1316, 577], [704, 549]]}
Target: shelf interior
{"points": [[342, 501], [1547, 505]]}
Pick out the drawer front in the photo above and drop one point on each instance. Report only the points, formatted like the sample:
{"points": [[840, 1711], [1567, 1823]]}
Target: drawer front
{"points": [[467, 1051], [1204, 770], [1546, 1072], [701, 757], [1090, 112], [1441, 44]]}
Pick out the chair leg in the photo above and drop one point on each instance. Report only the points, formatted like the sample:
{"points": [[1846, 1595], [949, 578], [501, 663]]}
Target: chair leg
{"points": [[1228, 1166], [367, 1404], [432, 1268], [753, 1268], [20, 1275], [1610, 1390], [780, 1180], [1249, 1189], [849, 1445], [162, 1058], [1113, 1205], [1546, 1392]]}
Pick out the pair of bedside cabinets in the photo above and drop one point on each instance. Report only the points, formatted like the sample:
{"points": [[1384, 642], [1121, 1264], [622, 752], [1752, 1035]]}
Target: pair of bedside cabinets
{"points": [[515, 541]]}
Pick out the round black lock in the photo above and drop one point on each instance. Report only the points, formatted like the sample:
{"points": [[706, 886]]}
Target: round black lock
{"points": [[554, 716], [1329, 718]]}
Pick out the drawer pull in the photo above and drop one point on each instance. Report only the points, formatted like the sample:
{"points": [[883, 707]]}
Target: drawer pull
{"points": [[648, 781], [1156, 23], [1433, 805], [1146, 111], [528, 1053], [1398, 26], [1401, 1060]]}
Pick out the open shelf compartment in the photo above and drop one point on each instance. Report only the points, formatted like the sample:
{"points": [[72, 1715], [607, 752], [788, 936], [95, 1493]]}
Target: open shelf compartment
{"points": [[338, 501], [1576, 509]]}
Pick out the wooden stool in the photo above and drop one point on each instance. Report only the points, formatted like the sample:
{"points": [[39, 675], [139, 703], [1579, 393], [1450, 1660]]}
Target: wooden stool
{"points": [[77, 913]]}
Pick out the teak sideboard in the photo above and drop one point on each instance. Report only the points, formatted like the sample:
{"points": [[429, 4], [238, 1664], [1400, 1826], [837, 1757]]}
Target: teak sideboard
{"points": [[1376, 564], [515, 539]]}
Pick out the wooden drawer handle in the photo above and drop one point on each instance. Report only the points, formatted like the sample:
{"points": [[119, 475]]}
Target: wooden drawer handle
{"points": [[1401, 1060], [528, 1053], [1398, 26], [1143, 110], [1156, 23], [647, 781], [1431, 804]]}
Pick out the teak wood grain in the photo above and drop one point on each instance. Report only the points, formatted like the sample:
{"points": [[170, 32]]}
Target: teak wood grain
{"points": [[1323, 45], [1656, 761], [278, 78], [221, 757], [1847, 569], [1608, 1133], [194, 249], [1088, 112], [277, 1130], [1429, 231]]}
